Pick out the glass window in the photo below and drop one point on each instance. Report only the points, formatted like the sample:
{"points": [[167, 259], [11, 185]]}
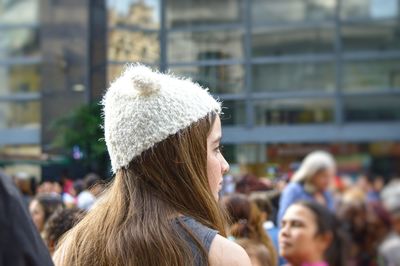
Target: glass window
{"points": [[230, 152], [19, 12], [294, 77], [19, 42], [19, 114], [381, 36], [272, 11], [371, 75], [276, 42], [135, 46], [369, 9], [113, 72], [373, 108], [214, 45], [140, 13], [294, 111], [247, 154], [219, 79], [181, 13], [234, 113], [19, 79]]}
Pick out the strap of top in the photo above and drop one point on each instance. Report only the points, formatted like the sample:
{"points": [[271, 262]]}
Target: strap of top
{"points": [[204, 234]]}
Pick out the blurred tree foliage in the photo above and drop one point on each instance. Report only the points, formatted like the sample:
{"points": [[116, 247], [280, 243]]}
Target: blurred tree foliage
{"points": [[83, 128]]}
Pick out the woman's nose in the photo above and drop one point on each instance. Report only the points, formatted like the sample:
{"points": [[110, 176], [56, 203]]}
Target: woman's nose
{"points": [[225, 166], [284, 230]]}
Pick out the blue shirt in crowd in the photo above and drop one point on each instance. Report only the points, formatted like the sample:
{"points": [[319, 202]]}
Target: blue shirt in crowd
{"points": [[294, 192]]}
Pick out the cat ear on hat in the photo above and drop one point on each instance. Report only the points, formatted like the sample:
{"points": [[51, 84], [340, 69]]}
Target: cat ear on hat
{"points": [[145, 81]]}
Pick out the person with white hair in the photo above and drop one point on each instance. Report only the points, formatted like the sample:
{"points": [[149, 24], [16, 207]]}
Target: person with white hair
{"points": [[310, 182], [388, 250]]}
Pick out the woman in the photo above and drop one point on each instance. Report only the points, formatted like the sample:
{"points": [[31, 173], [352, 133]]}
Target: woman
{"points": [[366, 224], [42, 207], [258, 253], [310, 236], [310, 182], [60, 222], [163, 137], [247, 223]]}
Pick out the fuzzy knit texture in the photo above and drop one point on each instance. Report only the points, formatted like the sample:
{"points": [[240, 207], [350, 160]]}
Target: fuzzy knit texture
{"points": [[143, 107]]}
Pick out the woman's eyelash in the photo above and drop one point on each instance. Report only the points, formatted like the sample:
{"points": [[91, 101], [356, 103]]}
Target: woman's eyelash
{"points": [[298, 224]]}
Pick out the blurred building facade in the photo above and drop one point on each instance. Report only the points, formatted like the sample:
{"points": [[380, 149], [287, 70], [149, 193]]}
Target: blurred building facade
{"points": [[20, 60], [295, 75], [52, 60]]}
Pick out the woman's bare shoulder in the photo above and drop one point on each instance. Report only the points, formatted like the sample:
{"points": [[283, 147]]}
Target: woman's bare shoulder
{"points": [[226, 252]]}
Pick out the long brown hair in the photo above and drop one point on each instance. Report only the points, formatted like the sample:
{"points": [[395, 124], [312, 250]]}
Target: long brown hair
{"points": [[246, 222], [132, 224]]}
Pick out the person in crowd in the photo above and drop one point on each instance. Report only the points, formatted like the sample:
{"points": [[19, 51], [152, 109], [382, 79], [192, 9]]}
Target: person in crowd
{"points": [[310, 182], [228, 185], [249, 183], [59, 223], [379, 227], [263, 202], [366, 224], [310, 235], [246, 221], [163, 136], [77, 187], [65, 181], [71, 199], [42, 207], [49, 187], [378, 183], [258, 253], [371, 185], [20, 242], [24, 183], [88, 197], [389, 249], [352, 212]]}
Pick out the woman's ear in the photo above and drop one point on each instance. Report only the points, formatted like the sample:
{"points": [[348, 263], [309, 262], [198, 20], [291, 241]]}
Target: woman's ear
{"points": [[325, 240]]}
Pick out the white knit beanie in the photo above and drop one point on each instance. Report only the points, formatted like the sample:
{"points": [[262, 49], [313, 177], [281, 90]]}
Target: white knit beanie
{"points": [[142, 108]]}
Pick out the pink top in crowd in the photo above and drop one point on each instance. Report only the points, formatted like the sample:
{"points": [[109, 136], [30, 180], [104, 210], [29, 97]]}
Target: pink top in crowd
{"points": [[322, 263]]}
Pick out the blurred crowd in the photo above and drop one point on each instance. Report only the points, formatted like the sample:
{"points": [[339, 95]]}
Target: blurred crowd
{"points": [[55, 207], [310, 215], [314, 212]]}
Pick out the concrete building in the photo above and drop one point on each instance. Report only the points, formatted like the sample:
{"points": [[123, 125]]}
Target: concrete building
{"points": [[296, 75]]}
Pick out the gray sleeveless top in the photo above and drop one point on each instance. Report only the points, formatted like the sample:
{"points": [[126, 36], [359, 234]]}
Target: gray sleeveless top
{"points": [[204, 234]]}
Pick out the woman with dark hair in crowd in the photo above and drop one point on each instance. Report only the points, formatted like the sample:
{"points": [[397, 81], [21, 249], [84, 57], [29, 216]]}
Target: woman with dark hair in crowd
{"points": [[311, 235], [246, 221], [366, 224], [42, 207], [163, 135], [59, 223]]}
